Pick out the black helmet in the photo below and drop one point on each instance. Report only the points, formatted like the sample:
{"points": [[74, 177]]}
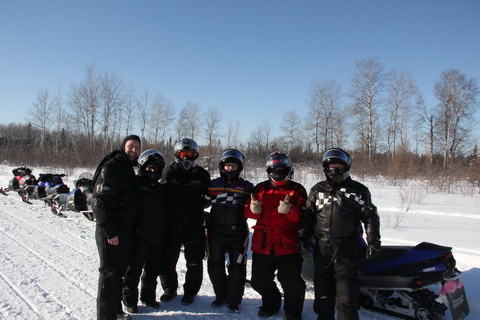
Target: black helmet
{"points": [[151, 157], [336, 155], [186, 152], [279, 168], [231, 156]]}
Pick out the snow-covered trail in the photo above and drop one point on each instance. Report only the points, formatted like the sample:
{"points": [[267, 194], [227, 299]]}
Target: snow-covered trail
{"points": [[49, 265], [49, 270]]}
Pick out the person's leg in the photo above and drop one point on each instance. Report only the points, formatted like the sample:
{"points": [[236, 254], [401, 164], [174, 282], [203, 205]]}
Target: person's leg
{"points": [[113, 260], [347, 287], [216, 269], [194, 242], [324, 284], [289, 275], [149, 276], [237, 271], [169, 259], [263, 273], [132, 275]]}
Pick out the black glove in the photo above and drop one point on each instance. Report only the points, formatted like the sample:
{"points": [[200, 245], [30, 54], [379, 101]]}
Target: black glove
{"points": [[302, 241], [373, 248]]}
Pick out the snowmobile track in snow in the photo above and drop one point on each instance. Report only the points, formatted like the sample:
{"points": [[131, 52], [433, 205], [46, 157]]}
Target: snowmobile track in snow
{"points": [[14, 293], [53, 233], [42, 290]]}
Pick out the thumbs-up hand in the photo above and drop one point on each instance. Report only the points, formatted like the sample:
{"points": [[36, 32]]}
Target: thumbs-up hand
{"points": [[284, 206], [255, 205]]}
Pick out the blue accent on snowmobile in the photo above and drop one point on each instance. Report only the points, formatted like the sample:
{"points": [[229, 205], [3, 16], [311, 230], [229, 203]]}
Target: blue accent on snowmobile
{"points": [[409, 257]]}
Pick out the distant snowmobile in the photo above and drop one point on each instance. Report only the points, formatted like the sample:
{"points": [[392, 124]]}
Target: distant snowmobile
{"points": [[80, 198], [52, 190], [23, 183], [399, 281]]}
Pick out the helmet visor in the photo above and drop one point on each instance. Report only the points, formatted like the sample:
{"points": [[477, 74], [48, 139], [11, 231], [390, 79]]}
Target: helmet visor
{"points": [[336, 156], [277, 161]]}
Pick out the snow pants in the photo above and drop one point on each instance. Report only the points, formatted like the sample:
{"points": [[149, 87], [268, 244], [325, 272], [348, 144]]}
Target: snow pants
{"points": [[336, 280], [228, 288], [192, 237], [289, 268], [113, 264], [145, 263]]}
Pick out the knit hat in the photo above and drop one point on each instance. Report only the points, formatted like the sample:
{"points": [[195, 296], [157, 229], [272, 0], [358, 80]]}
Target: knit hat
{"points": [[128, 138]]}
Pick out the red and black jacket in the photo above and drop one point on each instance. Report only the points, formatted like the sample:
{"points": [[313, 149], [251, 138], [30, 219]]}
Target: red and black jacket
{"points": [[276, 232]]}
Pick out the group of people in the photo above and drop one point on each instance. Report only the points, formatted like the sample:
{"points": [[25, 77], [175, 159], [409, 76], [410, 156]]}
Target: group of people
{"points": [[143, 219]]}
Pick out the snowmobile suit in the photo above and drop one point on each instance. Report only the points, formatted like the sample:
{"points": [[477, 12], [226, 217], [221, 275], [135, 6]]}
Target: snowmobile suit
{"points": [[151, 226], [186, 191], [114, 207], [228, 233], [274, 246], [334, 213]]}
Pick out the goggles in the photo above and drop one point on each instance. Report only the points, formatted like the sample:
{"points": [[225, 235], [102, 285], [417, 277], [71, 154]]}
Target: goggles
{"points": [[187, 154]]}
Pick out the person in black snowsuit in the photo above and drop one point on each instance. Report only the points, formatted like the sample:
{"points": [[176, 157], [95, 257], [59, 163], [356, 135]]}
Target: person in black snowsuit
{"points": [[151, 226], [228, 231], [186, 186], [334, 212], [115, 199]]}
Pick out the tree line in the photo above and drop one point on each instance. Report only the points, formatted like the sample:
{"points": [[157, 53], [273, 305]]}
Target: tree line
{"points": [[381, 118]]}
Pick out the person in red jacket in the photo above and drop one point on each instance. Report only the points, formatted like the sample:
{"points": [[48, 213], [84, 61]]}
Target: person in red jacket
{"points": [[277, 204]]}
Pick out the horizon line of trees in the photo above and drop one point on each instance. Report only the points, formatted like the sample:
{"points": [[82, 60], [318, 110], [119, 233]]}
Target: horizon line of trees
{"points": [[382, 119]]}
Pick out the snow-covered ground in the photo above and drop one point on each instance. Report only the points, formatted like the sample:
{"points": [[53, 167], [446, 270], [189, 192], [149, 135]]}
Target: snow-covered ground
{"points": [[49, 265]]}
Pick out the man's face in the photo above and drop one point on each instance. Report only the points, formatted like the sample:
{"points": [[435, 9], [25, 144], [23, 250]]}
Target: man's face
{"points": [[132, 149], [333, 166], [230, 167]]}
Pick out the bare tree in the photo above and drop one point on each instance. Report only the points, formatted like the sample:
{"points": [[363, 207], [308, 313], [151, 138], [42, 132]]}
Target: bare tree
{"points": [[212, 118], [457, 98], [401, 90], [325, 114], [260, 138], [126, 118], [427, 123], [143, 107], [292, 129], [61, 120], [162, 116], [85, 104], [232, 139], [368, 83], [112, 101], [188, 123], [40, 115]]}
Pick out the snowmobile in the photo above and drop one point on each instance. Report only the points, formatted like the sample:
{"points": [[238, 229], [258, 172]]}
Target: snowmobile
{"points": [[23, 182], [411, 282], [80, 198], [52, 190]]}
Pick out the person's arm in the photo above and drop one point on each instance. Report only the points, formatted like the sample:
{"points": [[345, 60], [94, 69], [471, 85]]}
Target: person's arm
{"points": [[307, 219], [253, 207], [297, 198], [106, 201], [371, 221]]}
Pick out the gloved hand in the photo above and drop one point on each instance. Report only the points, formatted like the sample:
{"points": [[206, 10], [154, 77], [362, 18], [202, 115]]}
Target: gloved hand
{"points": [[373, 248], [284, 206], [302, 244], [255, 205]]}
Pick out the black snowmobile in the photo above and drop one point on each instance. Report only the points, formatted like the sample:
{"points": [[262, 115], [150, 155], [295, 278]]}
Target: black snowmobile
{"points": [[23, 183], [52, 190], [80, 198], [419, 282]]}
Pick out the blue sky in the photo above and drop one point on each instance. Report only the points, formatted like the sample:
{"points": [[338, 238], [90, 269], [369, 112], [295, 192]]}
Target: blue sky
{"points": [[253, 60]]}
